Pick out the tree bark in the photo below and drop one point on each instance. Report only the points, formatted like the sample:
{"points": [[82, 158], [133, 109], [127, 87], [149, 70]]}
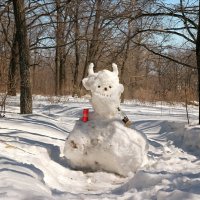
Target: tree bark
{"points": [[94, 45], [198, 60], [12, 72], [127, 47], [77, 52], [24, 57], [60, 52]]}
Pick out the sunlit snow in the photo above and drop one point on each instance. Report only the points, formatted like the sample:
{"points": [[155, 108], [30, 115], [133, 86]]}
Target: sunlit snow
{"points": [[32, 164]]}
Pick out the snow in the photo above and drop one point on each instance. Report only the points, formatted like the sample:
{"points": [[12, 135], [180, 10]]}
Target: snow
{"points": [[32, 165], [106, 145], [192, 137]]}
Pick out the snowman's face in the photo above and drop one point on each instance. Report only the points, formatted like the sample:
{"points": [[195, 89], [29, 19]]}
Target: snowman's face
{"points": [[105, 84]]}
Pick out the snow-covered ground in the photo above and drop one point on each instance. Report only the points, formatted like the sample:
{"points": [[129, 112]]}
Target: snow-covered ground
{"points": [[32, 165]]}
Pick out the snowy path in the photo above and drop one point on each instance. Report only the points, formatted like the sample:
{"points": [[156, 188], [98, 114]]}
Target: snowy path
{"points": [[32, 166]]}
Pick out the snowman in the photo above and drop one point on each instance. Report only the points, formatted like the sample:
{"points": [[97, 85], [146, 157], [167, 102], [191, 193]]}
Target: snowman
{"points": [[106, 91], [104, 143]]}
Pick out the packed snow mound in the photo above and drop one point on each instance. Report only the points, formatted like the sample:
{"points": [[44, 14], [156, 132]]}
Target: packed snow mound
{"points": [[106, 90], [105, 145], [191, 137]]}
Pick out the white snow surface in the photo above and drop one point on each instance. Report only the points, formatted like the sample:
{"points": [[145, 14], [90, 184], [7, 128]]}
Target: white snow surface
{"points": [[32, 165]]}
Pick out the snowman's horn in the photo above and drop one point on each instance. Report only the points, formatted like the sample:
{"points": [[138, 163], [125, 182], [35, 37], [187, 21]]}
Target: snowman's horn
{"points": [[115, 69], [90, 69]]}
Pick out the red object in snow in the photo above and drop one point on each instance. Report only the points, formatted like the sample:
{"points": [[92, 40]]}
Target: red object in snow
{"points": [[85, 115]]}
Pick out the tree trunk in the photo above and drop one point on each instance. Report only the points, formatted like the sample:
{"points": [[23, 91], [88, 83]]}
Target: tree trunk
{"points": [[57, 74], [77, 52], [12, 72], [198, 74], [122, 78], [84, 69], [198, 60], [24, 57], [60, 52], [94, 45]]}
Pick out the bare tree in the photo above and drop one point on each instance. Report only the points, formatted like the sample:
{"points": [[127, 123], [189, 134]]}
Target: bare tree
{"points": [[77, 48], [24, 57], [12, 71], [93, 42], [183, 22], [60, 50], [65, 36], [198, 57]]}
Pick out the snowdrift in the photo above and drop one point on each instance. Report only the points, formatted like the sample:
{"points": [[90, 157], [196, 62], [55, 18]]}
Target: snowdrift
{"points": [[191, 137]]}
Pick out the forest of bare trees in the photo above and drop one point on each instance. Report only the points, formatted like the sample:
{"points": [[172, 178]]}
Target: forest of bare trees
{"points": [[46, 46]]}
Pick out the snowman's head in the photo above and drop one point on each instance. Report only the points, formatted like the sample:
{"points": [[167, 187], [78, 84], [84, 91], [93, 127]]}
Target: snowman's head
{"points": [[105, 83]]}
